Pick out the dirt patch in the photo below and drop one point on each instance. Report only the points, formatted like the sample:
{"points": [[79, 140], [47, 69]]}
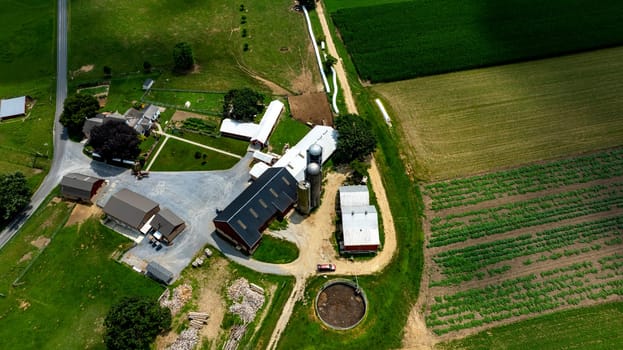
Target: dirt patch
{"points": [[86, 68], [340, 306], [82, 212], [40, 242], [56, 200], [23, 304], [416, 335], [311, 108], [180, 116], [25, 257]]}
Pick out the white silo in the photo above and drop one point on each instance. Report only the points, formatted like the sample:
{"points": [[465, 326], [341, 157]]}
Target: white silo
{"points": [[313, 175], [304, 197]]}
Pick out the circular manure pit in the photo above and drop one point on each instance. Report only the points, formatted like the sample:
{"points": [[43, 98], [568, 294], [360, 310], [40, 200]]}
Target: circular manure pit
{"points": [[341, 305]]}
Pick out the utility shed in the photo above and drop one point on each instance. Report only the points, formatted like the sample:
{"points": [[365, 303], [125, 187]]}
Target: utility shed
{"points": [[159, 273], [271, 196], [130, 208], [80, 187], [168, 225], [360, 222], [12, 107]]}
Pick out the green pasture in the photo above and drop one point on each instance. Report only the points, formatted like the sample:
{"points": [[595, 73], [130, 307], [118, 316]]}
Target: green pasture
{"points": [[27, 68], [228, 144], [275, 250], [180, 156], [211, 103], [595, 327], [334, 5], [130, 33], [399, 41], [288, 130], [65, 290], [476, 121]]}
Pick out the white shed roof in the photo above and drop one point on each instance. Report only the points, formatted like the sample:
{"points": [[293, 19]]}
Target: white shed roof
{"points": [[234, 127], [295, 158], [12, 107], [268, 122], [263, 157], [257, 170], [360, 226], [351, 196]]}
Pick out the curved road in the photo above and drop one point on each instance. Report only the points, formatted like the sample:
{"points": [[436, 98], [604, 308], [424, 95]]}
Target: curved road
{"points": [[59, 137]]}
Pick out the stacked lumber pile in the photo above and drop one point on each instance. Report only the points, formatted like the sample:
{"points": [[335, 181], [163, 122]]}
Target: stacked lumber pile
{"points": [[186, 340], [198, 319], [181, 294]]}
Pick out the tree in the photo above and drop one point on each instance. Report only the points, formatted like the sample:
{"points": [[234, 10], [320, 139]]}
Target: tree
{"points": [[147, 67], [14, 195], [309, 4], [329, 62], [115, 139], [355, 138], [183, 56], [76, 110], [242, 104], [107, 71], [134, 323]]}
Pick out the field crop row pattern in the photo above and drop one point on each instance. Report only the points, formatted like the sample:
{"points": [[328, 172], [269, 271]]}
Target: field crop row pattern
{"points": [[531, 178], [449, 35]]}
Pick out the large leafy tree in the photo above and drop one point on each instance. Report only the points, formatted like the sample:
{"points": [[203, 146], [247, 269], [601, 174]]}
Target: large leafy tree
{"points": [[183, 56], [14, 195], [242, 104], [77, 109], [309, 4], [134, 323], [115, 139], [355, 138]]}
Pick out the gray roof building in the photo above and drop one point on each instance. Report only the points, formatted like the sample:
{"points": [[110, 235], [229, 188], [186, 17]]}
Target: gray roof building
{"points": [[159, 273], [272, 195], [168, 225], [131, 208], [80, 187], [147, 84], [12, 107]]}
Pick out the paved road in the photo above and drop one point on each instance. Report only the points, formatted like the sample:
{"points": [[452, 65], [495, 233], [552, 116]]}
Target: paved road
{"points": [[59, 137]]}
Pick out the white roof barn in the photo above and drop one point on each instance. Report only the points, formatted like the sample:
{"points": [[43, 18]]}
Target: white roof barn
{"points": [[12, 107], [256, 133], [360, 222], [235, 128], [351, 196]]}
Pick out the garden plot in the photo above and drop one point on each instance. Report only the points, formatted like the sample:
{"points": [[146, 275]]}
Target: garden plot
{"points": [[514, 244]]}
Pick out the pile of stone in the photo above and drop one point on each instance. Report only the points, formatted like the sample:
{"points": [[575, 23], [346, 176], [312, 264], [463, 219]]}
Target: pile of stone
{"points": [[248, 299], [197, 319], [181, 294], [236, 334], [198, 262], [186, 340]]}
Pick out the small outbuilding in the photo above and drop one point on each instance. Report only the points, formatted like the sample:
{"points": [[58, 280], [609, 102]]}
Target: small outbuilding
{"points": [[130, 208], [80, 187], [12, 107], [271, 196], [166, 226], [159, 273], [359, 221], [148, 83]]}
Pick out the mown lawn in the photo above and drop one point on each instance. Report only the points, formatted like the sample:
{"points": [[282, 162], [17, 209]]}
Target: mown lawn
{"points": [[181, 156], [399, 41], [129, 33], [62, 299], [228, 144], [476, 121], [27, 68], [288, 130], [596, 327], [275, 250], [208, 103]]}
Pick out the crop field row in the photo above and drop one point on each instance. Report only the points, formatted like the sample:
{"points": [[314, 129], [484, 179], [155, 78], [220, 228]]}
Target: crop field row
{"points": [[521, 214], [527, 179], [466, 263], [399, 41], [569, 285]]}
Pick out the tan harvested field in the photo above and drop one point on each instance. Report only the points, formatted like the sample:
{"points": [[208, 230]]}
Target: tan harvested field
{"points": [[511, 245], [480, 120]]}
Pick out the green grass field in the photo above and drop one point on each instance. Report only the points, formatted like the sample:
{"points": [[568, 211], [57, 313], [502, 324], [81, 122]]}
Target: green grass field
{"points": [[276, 250], [334, 5], [63, 297], [475, 121], [209, 103], [180, 156], [288, 130], [129, 33], [597, 327], [404, 40], [27, 68]]}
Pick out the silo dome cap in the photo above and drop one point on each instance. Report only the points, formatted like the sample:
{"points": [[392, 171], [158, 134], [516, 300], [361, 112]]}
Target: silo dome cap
{"points": [[315, 149], [313, 169]]}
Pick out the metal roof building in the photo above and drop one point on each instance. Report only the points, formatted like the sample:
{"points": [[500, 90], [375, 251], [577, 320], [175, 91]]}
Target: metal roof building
{"points": [[167, 225], [360, 222], [244, 130], [12, 107], [130, 208], [159, 273], [271, 196], [80, 187], [267, 124]]}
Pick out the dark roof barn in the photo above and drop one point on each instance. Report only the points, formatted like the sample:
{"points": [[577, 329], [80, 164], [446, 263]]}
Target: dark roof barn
{"points": [[272, 195], [168, 224], [80, 187]]}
